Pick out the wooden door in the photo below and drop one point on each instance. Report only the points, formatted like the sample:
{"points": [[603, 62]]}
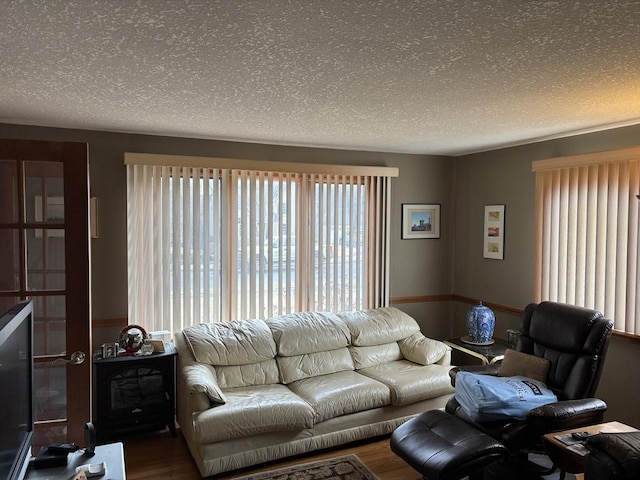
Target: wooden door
{"points": [[44, 256]]}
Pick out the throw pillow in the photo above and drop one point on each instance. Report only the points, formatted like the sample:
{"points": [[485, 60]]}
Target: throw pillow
{"points": [[422, 350], [524, 365]]}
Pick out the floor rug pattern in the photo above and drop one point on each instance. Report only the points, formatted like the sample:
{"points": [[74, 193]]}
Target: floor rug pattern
{"points": [[348, 467]]}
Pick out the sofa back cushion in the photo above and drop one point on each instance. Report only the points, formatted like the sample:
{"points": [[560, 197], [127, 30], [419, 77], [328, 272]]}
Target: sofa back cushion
{"points": [[310, 344], [365, 357], [261, 373], [308, 332], [309, 365], [242, 352], [379, 326]]}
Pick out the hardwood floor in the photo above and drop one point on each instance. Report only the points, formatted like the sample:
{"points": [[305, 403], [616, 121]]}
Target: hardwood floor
{"points": [[157, 455]]}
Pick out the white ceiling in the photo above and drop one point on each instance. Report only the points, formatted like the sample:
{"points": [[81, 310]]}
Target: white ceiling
{"points": [[431, 77]]}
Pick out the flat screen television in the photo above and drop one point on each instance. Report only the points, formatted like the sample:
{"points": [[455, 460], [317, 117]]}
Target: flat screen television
{"points": [[16, 390]]}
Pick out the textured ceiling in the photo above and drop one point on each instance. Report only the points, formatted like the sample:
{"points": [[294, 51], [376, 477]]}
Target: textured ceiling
{"points": [[435, 77]]}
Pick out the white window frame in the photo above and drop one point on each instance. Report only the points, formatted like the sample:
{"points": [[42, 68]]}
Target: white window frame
{"points": [[157, 193]]}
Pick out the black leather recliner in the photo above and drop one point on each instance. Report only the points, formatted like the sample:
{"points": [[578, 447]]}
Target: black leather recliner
{"points": [[575, 341]]}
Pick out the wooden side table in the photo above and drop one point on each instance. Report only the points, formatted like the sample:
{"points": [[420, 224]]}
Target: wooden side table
{"points": [[487, 354], [566, 459], [134, 393]]}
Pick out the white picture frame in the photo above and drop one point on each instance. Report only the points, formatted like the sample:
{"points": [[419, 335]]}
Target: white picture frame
{"points": [[493, 245], [420, 220]]}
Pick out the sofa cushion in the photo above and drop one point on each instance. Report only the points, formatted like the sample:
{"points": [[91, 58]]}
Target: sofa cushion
{"points": [[364, 357], [422, 350], [252, 411], [341, 393], [313, 364], [308, 332], [410, 382], [240, 342], [378, 326], [202, 379], [262, 373]]}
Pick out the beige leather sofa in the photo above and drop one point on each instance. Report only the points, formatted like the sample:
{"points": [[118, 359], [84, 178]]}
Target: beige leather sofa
{"points": [[252, 391]]}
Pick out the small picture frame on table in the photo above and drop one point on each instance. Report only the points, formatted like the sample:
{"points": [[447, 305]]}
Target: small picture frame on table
{"points": [[158, 345], [109, 350]]}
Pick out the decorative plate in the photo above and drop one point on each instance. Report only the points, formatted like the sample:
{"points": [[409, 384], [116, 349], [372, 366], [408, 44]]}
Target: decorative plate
{"points": [[131, 339]]}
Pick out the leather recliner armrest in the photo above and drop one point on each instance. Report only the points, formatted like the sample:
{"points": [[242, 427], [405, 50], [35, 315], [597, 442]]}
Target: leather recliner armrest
{"points": [[567, 414]]}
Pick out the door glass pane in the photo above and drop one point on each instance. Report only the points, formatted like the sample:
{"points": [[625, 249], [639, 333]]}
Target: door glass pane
{"points": [[50, 391], [49, 324], [8, 191], [48, 209], [48, 433], [55, 184], [45, 259], [9, 255], [44, 192]]}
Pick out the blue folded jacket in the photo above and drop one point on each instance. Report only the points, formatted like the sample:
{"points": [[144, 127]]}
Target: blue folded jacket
{"points": [[486, 397]]}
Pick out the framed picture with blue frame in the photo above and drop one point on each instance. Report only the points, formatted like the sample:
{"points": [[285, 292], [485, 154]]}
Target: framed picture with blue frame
{"points": [[420, 220]]}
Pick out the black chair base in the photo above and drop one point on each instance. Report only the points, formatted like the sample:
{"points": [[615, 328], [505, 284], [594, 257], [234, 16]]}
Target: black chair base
{"points": [[443, 447]]}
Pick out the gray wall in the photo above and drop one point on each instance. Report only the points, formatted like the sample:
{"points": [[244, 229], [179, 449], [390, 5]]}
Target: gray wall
{"points": [[418, 267], [452, 264], [505, 177]]}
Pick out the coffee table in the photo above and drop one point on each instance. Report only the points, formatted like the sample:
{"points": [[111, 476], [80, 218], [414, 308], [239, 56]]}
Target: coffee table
{"points": [[565, 457]]}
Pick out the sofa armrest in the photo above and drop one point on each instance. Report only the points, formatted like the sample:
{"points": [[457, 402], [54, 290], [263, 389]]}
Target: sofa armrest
{"points": [[201, 384], [567, 414]]}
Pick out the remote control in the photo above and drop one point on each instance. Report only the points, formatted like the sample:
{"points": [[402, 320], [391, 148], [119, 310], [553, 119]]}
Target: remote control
{"points": [[63, 448], [580, 435]]}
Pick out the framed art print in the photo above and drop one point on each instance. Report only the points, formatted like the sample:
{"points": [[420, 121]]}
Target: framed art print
{"points": [[494, 232], [420, 220]]}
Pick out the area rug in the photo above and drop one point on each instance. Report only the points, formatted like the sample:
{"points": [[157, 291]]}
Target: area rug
{"points": [[348, 467]]}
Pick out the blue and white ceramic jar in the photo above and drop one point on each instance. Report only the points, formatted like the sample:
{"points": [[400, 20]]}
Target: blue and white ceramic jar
{"points": [[480, 324]]}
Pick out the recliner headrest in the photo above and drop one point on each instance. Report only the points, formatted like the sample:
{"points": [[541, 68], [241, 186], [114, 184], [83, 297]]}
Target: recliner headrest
{"points": [[564, 327]]}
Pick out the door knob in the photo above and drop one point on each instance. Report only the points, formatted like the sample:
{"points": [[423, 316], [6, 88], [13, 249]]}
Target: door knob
{"points": [[76, 358]]}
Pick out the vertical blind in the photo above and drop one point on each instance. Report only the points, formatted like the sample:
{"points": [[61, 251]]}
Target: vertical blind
{"points": [[207, 243], [587, 233]]}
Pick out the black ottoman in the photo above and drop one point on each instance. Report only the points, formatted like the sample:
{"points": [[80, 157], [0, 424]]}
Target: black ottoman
{"points": [[613, 456], [443, 447]]}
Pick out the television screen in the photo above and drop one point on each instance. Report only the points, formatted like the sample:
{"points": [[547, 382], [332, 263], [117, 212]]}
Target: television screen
{"points": [[16, 398]]}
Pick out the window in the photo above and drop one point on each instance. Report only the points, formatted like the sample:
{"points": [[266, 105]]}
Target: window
{"points": [[209, 243], [587, 232]]}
